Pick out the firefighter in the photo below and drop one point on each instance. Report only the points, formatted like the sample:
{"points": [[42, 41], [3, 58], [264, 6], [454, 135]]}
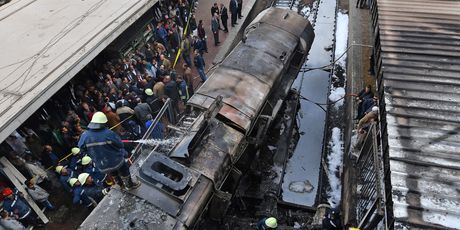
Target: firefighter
{"points": [[332, 220], [16, 206], [76, 158], [91, 189], [64, 175], [79, 195], [107, 151], [267, 223], [90, 167]]}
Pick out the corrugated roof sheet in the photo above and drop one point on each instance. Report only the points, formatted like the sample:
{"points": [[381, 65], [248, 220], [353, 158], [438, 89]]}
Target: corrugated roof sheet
{"points": [[420, 44], [45, 43]]}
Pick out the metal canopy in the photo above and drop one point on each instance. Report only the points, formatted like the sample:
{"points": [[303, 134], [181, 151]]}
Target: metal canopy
{"points": [[45, 43], [420, 70]]}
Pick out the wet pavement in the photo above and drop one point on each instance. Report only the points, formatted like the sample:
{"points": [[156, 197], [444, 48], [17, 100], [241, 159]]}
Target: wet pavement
{"points": [[304, 165], [203, 12]]}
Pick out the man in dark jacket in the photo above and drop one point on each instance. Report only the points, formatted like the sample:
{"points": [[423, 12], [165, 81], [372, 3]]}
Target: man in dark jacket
{"points": [[215, 10], [215, 28], [361, 97], [153, 101], [224, 16], [183, 89], [107, 151], [172, 92], [366, 106], [233, 11], [332, 220], [199, 64], [202, 35], [240, 7], [199, 45], [141, 110]]}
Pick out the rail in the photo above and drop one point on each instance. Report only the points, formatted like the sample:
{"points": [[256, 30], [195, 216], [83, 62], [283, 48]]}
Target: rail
{"points": [[291, 4], [147, 135], [370, 203]]}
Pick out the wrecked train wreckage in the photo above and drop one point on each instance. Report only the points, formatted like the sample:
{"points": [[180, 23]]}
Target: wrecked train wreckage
{"points": [[231, 113]]}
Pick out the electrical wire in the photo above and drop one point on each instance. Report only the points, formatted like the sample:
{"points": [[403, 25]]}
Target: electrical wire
{"points": [[336, 60], [316, 103], [325, 66], [54, 40]]}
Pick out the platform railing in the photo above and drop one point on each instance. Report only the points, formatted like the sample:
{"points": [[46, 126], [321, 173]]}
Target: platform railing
{"points": [[370, 204], [148, 134]]}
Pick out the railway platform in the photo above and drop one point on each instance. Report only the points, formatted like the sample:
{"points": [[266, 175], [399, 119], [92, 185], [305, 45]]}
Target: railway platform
{"points": [[227, 40]]}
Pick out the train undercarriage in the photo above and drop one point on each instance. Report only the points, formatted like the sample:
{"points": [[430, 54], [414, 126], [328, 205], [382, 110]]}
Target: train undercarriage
{"points": [[258, 192]]}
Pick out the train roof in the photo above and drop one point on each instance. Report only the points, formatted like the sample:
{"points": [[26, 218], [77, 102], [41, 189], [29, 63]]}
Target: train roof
{"points": [[419, 51], [247, 74], [45, 43], [284, 19]]}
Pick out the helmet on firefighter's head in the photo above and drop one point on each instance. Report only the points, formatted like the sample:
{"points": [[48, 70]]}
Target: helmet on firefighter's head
{"points": [[72, 181], [7, 192], [271, 222], [98, 121], [149, 92], [83, 177], [59, 169], [85, 160], [75, 151]]}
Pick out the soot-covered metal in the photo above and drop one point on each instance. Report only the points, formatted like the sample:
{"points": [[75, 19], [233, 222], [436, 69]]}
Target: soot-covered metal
{"points": [[236, 105]]}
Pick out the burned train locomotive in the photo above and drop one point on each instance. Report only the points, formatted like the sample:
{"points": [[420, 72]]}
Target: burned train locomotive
{"points": [[231, 113]]}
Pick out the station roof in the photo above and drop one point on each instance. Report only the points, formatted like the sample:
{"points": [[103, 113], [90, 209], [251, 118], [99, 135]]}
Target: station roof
{"points": [[420, 54], [45, 43]]}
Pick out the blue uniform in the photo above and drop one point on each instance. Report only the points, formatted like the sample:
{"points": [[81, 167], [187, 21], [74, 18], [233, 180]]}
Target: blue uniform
{"points": [[262, 226], [75, 161], [200, 65], [97, 175], [80, 197], [157, 132], [64, 179], [104, 147], [162, 33], [94, 192], [17, 203], [200, 45]]}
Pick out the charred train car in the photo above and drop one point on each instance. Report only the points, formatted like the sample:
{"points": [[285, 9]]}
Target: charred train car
{"points": [[233, 109]]}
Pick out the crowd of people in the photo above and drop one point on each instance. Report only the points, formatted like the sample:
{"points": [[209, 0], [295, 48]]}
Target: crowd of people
{"points": [[129, 92], [219, 15]]}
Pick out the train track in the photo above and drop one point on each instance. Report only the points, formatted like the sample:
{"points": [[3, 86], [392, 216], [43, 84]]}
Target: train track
{"points": [[287, 4]]}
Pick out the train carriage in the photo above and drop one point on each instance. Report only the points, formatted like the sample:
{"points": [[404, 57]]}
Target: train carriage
{"points": [[231, 111]]}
